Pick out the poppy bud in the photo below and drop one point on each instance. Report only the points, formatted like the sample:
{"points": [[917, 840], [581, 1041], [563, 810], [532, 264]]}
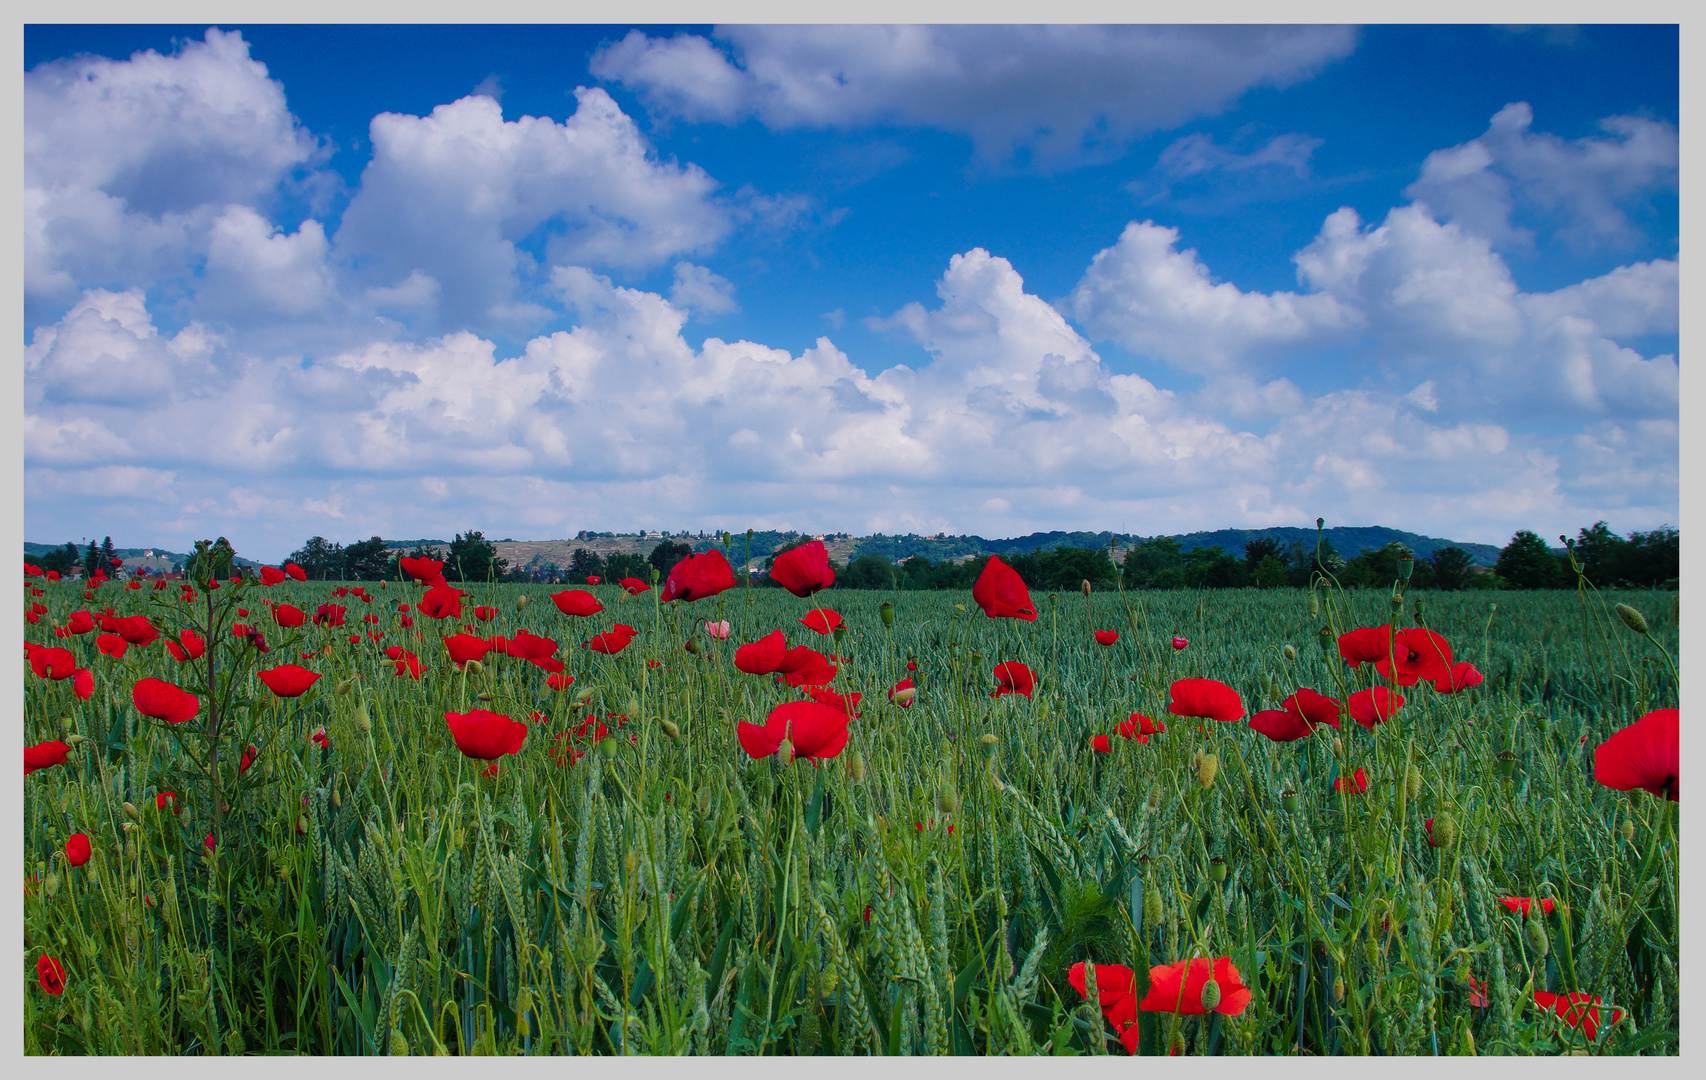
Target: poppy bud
{"points": [[1468, 1042], [704, 800], [1628, 829], [520, 602], [1152, 801], [363, 722], [1210, 995], [1151, 908], [474, 667], [785, 752], [583, 695], [856, 768], [1413, 782], [399, 1045], [337, 797], [132, 812], [947, 800], [67, 725], [1206, 768], [1338, 746], [631, 862], [1314, 605], [959, 607], [1084, 587], [1445, 830], [148, 900], [1217, 869], [1633, 619], [1338, 988], [670, 728], [1534, 933], [904, 697], [1288, 800], [886, 613], [691, 647], [1289, 652], [344, 687], [51, 884]]}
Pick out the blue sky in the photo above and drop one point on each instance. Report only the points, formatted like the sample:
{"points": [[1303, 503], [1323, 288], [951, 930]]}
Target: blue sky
{"points": [[282, 281]]}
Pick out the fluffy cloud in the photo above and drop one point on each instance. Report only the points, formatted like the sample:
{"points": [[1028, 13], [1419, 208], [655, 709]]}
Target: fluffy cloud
{"points": [[460, 195], [128, 163], [701, 290], [1582, 186], [1053, 91]]}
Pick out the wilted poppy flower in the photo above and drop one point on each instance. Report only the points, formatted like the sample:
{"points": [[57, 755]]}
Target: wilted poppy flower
{"points": [[465, 647], [560, 681], [426, 571], [1365, 645], [577, 602], [634, 586], [801, 666], [81, 622], [1139, 727], [271, 575], [822, 620], [111, 644], [320, 738], [1014, 678], [763, 656], [1355, 784], [1106, 637], [77, 849], [50, 973], [816, 731], [848, 703], [1209, 699], [51, 662], [903, 692], [485, 735], [1103, 743], [1577, 1010], [1643, 755], [1001, 592], [441, 602], [1375, 706], [1177, 988], [1521, 904], [1463, 676], [45, 755], [1416, 654], [288, 680], [718, 630], [698, 576], [163, 701], [804, 570]]}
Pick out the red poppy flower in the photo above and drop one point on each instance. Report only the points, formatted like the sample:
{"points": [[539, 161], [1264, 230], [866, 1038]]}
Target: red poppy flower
{"points": [[484, 614], [1103, 743], [441, 602], [288, 680], [1002, 594], [485, 735], [81, 622], [634, 586], [804, 570], [51, 662], [1206, 698], [699, 576], [77, 849], [50, 973], [763, 656], [1116, 992], [1355, 784], [163, 799], [593, 579], [611, 641], [250, 753], [320, 738], [295, 571], [898, 693], [1416, 654], [111, 644], [801, 666], [577, 602], [1643, 755], [45, 755], [1364, 645], [1106, 637], [163, 701], [1177, 988], [1521, 904], [465, 647], [1577, 1010], [210, 844], [271, 575], [1463, 676], [32, 570], [535, 650], [329, 615], [192, 647], [1478, 998], [848, 704], [1139, 727], [559, 681], [1015, 678], [83, 684], [1180, 643], [407, 663], [1372, 707], [822, 620], [1297, 717], [815, 729], [426, 571], [591, 729]]}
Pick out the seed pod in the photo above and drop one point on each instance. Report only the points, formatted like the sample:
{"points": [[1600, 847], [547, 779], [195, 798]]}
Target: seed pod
{"points": [[1288, 800], [1633, 619], [886, 613], [609, 746], [1289, 652], [1507, 762], [474, 667], [1413, 785], [670, 728], [1325, 637], [989, 740], [1217, 869], [856, 768], [1534, 934], [1210, 995]]}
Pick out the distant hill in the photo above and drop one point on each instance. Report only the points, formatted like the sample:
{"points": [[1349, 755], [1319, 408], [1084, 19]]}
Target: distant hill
{"points": [[1348, 541], [155, 560]]}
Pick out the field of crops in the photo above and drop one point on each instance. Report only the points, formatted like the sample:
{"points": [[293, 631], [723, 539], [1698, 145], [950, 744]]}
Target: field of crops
{"points": [[378, 863]]}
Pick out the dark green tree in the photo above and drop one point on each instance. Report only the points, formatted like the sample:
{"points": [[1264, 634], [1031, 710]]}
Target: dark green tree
{"points": [[626, 564], [91, 559], [1213, 568], [63, 559], [667, 554], [1377, 568], [366, 560], [1526, 563], [1262, 547], [473, 558], [583, 563], [319, 558], [1270, 573], [1653, 558], [107, 554], [1450, 566], [1145, 563]]}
